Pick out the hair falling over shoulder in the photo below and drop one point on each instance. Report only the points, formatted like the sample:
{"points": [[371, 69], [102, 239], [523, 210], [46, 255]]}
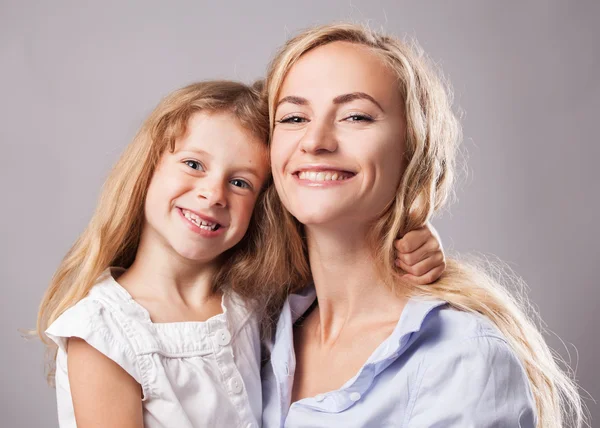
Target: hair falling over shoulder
{"points": [[432, 142], [112, 236]]}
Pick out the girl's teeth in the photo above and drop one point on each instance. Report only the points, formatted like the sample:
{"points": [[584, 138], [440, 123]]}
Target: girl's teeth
{"points": [[322, 176], [198, 222]]}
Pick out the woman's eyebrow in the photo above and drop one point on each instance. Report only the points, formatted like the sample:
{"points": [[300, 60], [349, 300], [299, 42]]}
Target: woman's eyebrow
{"points": [[293, 100], [346, 98], [340, 99]]}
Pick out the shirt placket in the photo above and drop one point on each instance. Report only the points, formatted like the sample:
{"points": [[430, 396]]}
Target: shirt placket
{"points": [[221, 340]]}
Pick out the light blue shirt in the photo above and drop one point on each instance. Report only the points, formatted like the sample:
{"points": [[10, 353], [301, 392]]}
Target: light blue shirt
{"points": [[439, 368]]}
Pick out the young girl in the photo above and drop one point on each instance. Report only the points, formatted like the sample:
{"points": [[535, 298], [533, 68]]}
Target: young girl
{"points": [[156, 308]]}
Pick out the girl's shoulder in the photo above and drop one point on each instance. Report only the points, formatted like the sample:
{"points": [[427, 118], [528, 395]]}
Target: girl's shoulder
{"points": [[107, 306], [107, 320]]}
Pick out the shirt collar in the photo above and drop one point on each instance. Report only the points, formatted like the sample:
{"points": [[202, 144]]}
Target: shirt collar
{"points": [[300, 302], [283, 360], [411, 320], [414, 314]]}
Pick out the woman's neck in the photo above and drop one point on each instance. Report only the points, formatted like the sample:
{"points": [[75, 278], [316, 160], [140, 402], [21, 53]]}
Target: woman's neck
{"points": [[348, 285]]}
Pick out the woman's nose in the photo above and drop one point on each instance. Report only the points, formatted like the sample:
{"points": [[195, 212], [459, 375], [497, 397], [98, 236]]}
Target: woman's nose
{"points": [[319, 138]]}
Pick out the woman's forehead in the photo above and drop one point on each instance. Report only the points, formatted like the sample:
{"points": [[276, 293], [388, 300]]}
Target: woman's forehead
{"points": [[339, 68]]}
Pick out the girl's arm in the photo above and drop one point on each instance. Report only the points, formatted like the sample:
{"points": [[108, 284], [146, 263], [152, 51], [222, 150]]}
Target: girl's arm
{"points": [[419, 253], [104, 394]]}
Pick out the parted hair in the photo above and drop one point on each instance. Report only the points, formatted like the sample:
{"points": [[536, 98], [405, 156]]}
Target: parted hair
{"points": [[431, 145]]}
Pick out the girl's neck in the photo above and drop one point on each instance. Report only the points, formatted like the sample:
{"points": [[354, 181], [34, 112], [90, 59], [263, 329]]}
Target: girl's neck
{"points": [[158, 272], [348, 286]]}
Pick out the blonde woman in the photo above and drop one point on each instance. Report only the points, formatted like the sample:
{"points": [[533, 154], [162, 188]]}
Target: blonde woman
{"points": [[362, 148]]}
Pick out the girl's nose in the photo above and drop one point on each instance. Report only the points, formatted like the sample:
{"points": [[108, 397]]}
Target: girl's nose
{"points": [[214, 193]]}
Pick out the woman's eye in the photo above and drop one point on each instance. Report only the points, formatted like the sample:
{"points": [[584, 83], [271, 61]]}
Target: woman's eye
{"points": [[194, 165], [359, 118], [292, 119], [240, 183]]}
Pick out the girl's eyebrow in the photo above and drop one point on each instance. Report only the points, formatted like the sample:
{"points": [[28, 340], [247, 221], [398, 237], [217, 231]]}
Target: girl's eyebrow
{"points": [[249, 170], [197, 151]]}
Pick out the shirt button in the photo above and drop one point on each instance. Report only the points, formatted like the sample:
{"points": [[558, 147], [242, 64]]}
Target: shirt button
{"points": [[320, 397], [355, 396], [226, 371], [236, 385], [223, 337]]}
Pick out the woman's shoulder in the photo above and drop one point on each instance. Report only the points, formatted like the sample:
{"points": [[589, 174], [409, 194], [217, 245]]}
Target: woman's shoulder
{"points": [[445, 324], [468, 361], [447, 333]]}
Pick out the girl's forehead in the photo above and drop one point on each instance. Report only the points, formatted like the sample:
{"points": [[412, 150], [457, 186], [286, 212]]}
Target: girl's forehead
{"points": [[216, 129], [220, 138]]}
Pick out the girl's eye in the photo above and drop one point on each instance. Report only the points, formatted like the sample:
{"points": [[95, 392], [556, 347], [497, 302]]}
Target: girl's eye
{"points": [[292, 119], [194, 165], [240, 183], [359, 118]]}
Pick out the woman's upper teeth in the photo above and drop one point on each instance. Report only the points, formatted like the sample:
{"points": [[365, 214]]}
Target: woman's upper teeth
{"points": [[323, 175]]}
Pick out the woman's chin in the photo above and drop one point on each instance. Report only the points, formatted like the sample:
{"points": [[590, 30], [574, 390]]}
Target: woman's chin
{"points": [[322, 219]]}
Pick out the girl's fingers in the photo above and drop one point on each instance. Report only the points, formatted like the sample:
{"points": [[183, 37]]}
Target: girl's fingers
{"points": [[429, 278], [421, 268], [413, 240], [429, 248]]}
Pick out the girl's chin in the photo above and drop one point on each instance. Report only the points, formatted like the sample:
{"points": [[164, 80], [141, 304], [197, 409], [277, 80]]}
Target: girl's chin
{"points": [[196, 255], [196, 258]]}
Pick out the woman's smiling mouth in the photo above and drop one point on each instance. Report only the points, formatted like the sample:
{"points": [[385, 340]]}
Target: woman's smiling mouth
{"points": [[322, 175]]}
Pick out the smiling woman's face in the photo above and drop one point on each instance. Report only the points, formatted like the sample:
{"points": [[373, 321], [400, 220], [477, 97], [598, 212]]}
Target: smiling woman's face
{"points": [[339, 135]]}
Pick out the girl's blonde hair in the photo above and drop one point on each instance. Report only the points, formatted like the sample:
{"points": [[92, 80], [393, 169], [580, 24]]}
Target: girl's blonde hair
{"points": [[432, 139], [251, 268]]}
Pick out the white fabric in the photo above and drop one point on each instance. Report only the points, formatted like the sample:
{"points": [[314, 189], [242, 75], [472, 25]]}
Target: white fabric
{"points": [[192, 374]]}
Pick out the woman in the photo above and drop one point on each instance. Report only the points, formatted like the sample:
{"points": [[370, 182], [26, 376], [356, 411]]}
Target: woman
{"points": [[362, 347]]}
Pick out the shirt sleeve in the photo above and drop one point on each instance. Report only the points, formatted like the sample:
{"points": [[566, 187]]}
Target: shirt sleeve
{"points": [[478, 383], [96, 324]]}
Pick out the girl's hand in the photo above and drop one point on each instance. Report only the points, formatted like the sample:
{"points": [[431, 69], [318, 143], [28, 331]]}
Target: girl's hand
{"points": [[419, 253]]}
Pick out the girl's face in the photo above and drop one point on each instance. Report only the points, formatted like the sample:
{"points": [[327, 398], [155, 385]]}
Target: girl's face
{"points": [[339, 137], [201, 196]]}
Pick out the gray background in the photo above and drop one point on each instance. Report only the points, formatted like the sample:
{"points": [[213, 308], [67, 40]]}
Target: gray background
{"points": [[77, 79]]}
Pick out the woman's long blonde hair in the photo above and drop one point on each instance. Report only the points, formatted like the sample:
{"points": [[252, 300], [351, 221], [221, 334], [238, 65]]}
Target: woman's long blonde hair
{"points": [[432, 139], [255, 268]]}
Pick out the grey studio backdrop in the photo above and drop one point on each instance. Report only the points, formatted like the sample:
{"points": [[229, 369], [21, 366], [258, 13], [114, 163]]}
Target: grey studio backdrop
{"points": [[78, 78]]}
